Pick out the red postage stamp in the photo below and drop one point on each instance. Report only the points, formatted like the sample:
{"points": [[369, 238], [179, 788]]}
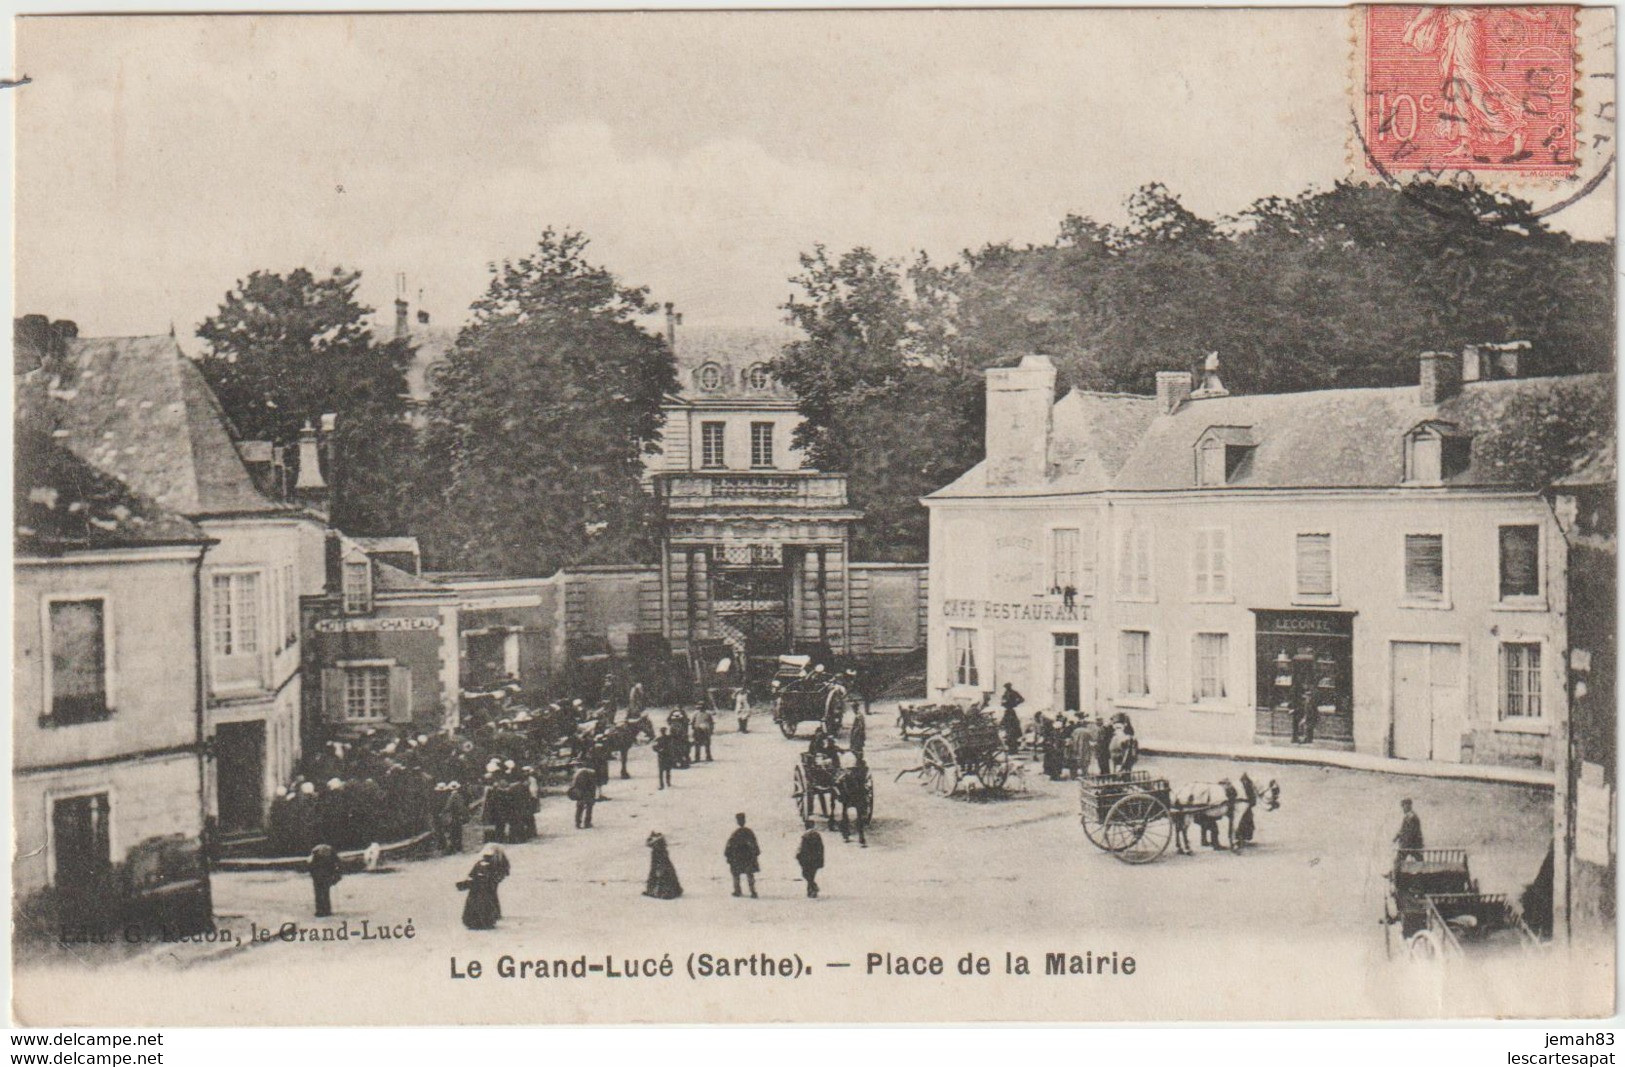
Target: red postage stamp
{"points": [[1451, 89]]}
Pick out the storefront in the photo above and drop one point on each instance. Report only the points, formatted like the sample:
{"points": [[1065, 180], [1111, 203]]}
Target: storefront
{"points": [[1306, 668]]}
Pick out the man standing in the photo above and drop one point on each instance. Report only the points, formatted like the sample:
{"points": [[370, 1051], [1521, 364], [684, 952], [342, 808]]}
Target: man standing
{"points": [[324, 875], [742, 709], [742, 852], [1409, 838], [453, 817], [704, 724], [1011, 727], [584, 791], [810, 855], [857, 736], [677, 722], [1011, 700], [663, 756]]}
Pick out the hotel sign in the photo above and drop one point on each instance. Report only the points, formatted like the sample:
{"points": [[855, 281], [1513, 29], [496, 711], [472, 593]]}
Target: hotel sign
{"points": [[1013, 612], [376, 626]]}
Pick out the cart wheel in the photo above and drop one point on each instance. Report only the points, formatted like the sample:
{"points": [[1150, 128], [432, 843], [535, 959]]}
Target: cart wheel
{"points": [[786, 727], [1090, 816], [1138, 828], [1424, 947], [834, 709], [803, 794], [938, 753]]}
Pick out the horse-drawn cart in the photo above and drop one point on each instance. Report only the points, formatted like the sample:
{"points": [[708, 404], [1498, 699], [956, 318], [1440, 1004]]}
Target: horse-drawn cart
{"points": [[818, 786], [967, 746], [800, 695], [1435, 902], [923, 720], [1128, 814]]}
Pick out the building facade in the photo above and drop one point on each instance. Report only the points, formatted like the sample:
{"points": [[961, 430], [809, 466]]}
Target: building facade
{"points": [[139, 409], [107, 704], [1379, 562]]}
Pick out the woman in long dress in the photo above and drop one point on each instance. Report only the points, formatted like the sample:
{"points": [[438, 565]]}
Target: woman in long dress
{"points": [[663, 883], [482, 909]]}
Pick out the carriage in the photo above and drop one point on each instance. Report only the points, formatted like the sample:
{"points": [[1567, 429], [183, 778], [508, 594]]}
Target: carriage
{"points": [[1129, 814], [799, 697], [923, 720], [819, 787], [969, 745], [1435, 901]]}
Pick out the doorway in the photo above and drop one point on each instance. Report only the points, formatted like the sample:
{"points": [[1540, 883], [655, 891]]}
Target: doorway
{"points": [[1429, 709], [1067, 685], [239, 754], [81, 844]]}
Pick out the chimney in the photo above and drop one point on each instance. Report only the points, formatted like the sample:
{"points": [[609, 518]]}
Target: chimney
{"points": [[1511, 359], [1173, 389], [400, 318], [1211, 385], [311, 487], [1473, 364], [423, 318], [1019, 419], [30, 342], [674, 319], [1440, 377]]}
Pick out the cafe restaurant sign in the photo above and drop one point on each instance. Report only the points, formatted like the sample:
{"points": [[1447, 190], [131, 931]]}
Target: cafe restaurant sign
{"points": [[377, 626], [1013, 612]]}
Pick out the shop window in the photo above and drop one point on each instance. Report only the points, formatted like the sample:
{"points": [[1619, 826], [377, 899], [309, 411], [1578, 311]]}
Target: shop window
{"points": [[78, 649], [1520, 561], [1520, 680], [761, 444], [1135, 663], [962, 658], [711, 454], [1315, 577], [1212, 563], [1424, 567], [1210, 665], [1134, 564], [358, 587]]}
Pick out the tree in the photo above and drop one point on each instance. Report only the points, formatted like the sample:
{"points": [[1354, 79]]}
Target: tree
{"points": [[283, 350], [541, 417]]}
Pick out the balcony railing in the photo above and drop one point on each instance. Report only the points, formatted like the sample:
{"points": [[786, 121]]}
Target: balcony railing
{"points": [[702, 489]]}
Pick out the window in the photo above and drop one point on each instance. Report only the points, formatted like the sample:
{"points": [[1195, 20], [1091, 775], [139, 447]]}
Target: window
{"points": [[758, 378], [1210, 667], [962, 658], [1210, 468], [291, 612], [1435, 451], [1134, 668], [1520, 561], [710, 377], [1063, 555], [1424, 567], [1134, 565], [366, 694], [1315, 565], [1427, 459], [711, 444], [81, 840], [78, 678], [1520, 681], [761, 444], [357, 587], [1212, 562], [236, 614]]}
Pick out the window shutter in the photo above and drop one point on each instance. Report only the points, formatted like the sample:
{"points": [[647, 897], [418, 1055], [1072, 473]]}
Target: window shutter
{"points": [[1424, 565], [1315, 564], [400, 694], [1219, 555], [1520, 561], [1125, 564], [333, 694]]}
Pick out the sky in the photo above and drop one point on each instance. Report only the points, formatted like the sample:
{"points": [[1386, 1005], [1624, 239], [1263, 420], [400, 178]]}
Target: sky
{"points": [[160, 159]]}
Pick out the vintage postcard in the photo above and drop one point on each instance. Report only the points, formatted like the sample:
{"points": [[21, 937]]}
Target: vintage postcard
{"points": [[847, 516]]}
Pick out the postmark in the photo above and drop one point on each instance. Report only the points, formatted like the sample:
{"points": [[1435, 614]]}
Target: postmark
{"points": [[1481, 89]]}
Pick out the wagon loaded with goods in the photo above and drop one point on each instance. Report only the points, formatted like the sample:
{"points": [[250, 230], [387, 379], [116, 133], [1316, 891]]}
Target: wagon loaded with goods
{"points": [[1435, 902], [804, 693], [968, 745], [923, 720], [1130, 814]]}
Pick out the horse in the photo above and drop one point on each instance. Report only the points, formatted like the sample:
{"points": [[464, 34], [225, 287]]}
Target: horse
{"points": [[620, 738], [1206, 803], [851, 789]]}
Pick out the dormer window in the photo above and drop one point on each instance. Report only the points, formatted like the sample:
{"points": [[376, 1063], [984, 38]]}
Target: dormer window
{"points": [[1221, 452], [710, 377], [757, 378], [357, 586], [1435, 451]]}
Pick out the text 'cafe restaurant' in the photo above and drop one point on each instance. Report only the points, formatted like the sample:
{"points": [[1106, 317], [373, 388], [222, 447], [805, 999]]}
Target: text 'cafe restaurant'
{"points": [[1384, 567]]}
